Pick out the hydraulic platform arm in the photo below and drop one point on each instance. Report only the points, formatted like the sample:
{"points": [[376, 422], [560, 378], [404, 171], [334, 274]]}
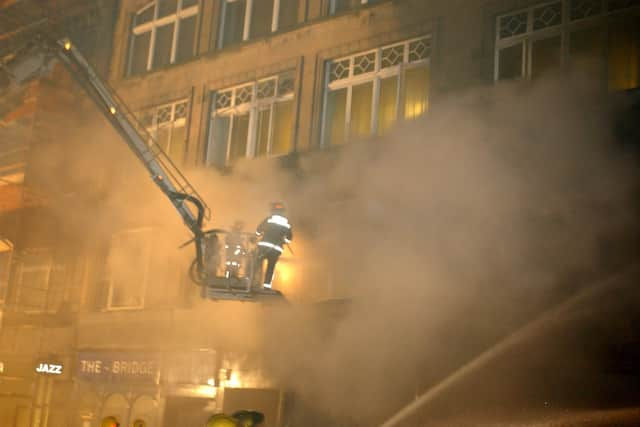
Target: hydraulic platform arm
{"points": [[36, 60]]}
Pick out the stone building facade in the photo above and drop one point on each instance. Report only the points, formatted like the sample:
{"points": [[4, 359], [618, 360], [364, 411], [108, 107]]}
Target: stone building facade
{"points": [[216, 81]]}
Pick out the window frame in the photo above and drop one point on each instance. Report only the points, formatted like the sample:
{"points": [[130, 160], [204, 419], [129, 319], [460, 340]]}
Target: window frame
{"points": [[246, 25], [152, 27], [47, 266], [252, 108], [376, 76], [148, 248], [154, 126], [332, 5], [564, 30], [6, 246]]}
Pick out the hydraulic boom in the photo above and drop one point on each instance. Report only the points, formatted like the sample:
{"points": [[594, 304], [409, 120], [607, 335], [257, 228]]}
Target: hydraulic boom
{"points": [[35, 60]]}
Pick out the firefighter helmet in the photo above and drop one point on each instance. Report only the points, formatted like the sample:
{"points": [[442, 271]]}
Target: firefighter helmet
{"points": [[221, 420], [109, 422], [278, 208], [249, 418]]}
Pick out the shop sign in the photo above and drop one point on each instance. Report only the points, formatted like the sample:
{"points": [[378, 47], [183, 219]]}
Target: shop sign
{"points": [[49, 368], [117, 367]]}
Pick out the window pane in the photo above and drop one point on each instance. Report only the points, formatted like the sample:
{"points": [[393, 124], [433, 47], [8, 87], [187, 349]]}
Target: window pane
{"points": [[186, 38], [262, 138], [144, 409], [217, 150], [233, 22], [239, 134], [335, 118], [5, 265], [139, 53], [416, 92], [547, 16], [343, 5], [545, 56], [167, 7], [510, 61], [586, 50], [189, 3], [178, 144], [624, 57], [34, 283], [162, 50], [162, 136], [288, 14], [387, 111], [128, 263], [116, 406], [57, 284], [584, 8], [361, 103], [282, 128], [261, 17], [145, 16], [33, 298]]}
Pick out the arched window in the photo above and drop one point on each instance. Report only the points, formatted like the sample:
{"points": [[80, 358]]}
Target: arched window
{"points": [[6, 251], [163, 32], [145, 409], [115, 406]]}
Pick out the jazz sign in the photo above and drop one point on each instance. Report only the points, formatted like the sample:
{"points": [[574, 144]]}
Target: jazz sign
{"points": [[49, 368]]}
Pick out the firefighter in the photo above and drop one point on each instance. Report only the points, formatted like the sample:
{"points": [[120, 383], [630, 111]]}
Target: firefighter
{"points": [[249, 418], [274, 232], [235, 250]]}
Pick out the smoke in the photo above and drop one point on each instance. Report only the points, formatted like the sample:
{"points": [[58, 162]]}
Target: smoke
{"points": [[444, 234]]}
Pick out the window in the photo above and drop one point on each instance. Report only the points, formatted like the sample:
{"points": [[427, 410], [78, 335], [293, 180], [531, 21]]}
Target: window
{"points": [[624, 55], [529, 42], [128, 268], [534, 41], [40, 284], [252, 120], [167, 124], [338, 6], [144, 409], [6, 250], [247, 19], [163, 33], [368, 92], [116, 406]]}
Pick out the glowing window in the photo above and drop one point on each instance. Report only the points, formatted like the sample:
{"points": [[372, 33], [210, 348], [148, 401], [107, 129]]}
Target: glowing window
{"points": [[128, 269], [252, 120], [6, 252], [368, 92], [167, 124], [533, 41]]}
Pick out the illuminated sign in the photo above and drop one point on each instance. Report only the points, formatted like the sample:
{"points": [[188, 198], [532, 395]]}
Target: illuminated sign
{"points": [[117, 367], [49, 368]]}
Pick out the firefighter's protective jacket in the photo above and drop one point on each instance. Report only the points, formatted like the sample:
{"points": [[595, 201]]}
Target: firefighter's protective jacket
{"points": [[275, 231]]}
